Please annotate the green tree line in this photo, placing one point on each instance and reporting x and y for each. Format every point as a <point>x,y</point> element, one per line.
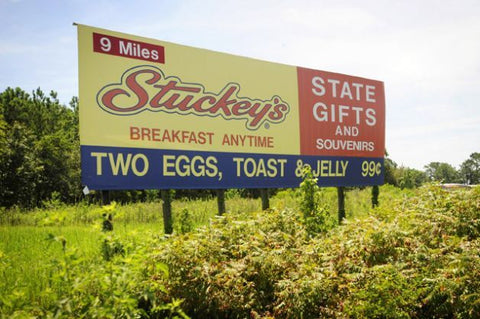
<point>406,177</point>
<point>40,155</point>
<point>40,149</point>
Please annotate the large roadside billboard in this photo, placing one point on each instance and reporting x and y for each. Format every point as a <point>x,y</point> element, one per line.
<point>158,115</point>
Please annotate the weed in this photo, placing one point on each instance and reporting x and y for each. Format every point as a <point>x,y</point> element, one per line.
<point>185,222</point>
<point>315,216</point>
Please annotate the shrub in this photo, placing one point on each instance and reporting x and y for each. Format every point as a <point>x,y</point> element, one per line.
<point>413,258</point>
<point>185,223</point>
<point>381,291</point>
<point>230,267</point>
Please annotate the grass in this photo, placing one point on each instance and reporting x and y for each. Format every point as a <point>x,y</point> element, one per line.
<point>26,264</point>
<point>31,242</point>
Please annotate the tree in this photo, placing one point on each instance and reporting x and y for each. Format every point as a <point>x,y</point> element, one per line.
<point>409,177</point>
<point>19,168</point>
<point>3,155</point>
<point>442,172</point>
<point>470,169</point>
<point>40,148</point>
<point>390,168</point>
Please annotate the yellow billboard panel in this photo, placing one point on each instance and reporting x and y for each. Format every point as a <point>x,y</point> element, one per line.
<point>190,99</point>
<point>155,114</point>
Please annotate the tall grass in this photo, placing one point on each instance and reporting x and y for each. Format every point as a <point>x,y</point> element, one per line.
<point>28,252</point>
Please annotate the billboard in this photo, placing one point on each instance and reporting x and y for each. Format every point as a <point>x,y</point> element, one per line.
<point>158,115</point>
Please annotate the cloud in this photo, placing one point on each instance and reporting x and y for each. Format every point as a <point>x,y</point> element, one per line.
<point>432,130</point>
<point>9,48</point>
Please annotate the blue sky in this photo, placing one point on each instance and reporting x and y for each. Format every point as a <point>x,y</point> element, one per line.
<point>426,52</point>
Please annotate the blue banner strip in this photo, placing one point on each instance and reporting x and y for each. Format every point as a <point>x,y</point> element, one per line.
<point>119,168</point>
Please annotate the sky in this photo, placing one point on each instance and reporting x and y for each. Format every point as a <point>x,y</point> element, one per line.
<point>427,53</point>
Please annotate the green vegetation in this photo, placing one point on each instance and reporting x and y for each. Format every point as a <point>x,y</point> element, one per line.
<point>415,255</point>
<point>57,262</point>
<point>316,217</point>
<point>405,177</point>
<point>40,152</point>
<point>412,257</point>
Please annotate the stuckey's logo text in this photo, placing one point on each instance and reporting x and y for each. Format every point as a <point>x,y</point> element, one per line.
<point>146,88</point>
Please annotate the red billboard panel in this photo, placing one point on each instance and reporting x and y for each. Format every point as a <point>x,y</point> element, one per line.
<point>340,115</point>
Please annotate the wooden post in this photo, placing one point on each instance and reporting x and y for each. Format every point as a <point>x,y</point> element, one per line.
<point>265,201</point>
<point>375,193</point>
<point>341,204</point>
<point>105,197</point>
<point>221,201</point>
<point>167,211</point>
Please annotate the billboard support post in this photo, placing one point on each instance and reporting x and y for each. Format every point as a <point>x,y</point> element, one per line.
<point>341,204</point>
<point>221,201</point>
<point>265,199</point>
<point>105,197</point>
<point>167,211</point>
<point>375,193</point>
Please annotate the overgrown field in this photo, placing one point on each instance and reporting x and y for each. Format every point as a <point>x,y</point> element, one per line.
<point>417,255</point>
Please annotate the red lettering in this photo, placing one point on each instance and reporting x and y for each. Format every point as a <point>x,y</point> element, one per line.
<point>241,108</point>
<point>137,89</point>
<point>146,133</point>
<point>182,105</point>
<point>197,106</point>
<point>164,89</point>
<point>146,88</point>
<point>156,135</point>
<point>175,137</point>
<point>134,133</point>
<point>258,113</point>
<point>278,111</point>
<point>223,103</point>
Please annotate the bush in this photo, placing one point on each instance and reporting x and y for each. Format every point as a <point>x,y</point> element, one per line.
<point>412,258</point>
<point>229,268</point>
